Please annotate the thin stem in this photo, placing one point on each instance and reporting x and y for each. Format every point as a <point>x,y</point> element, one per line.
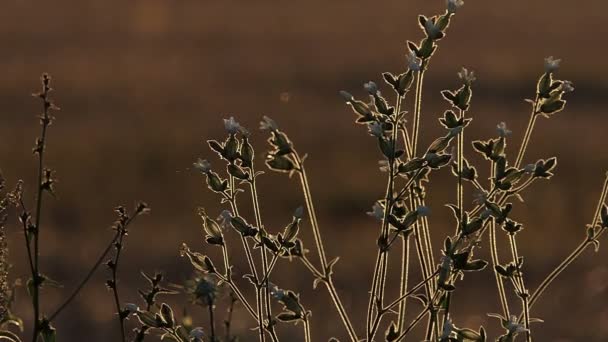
<point>212,322</point>
<point>405,263</point>
<point>307,337</point>
<point>45,121</point>
<point>417,110</point>
<point>239,295</point>
<point>326,275</point>
<point>311,267</point>
<point>122,233</point>
<point>379,281</point>
<point>25,223</point>
<point>527,135</point>
<point>228,320</point>
<point>247,248</point>
<point>413,324</point>
<point>570,258</point>
<point>86,279</point>
<point>265,269</point>
<point>410,292</point>
<point>495,260</point>
<point>311,212</point>
<point>521,288</point>
<point>338,303</point>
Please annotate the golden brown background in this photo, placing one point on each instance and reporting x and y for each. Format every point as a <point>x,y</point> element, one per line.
<point>142,84</point>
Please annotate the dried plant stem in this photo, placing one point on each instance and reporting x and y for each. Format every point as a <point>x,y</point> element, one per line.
<point>259,304</point>
<point>405,264</point>
<point>326,275</point>
<point>521,288</point>
<point>228,320</point>
<point>45,121</point>
<point>86,279</point>
<point>311,211</point>
<point>118,245</point>
<point>307,336</point>
<point>265,270</point>
<point>379,278</point>
<point>502,295</point>
<point>239,295</point>
<point>570,258</point>
<point>425,244</point>
<point>528,134</point>
<point>417,110</point>
<point>413,324</point>
<point>410,292</point>
<point>212,322</point>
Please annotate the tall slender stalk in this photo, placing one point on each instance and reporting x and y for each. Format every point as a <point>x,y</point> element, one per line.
<point>504,303</point>
<point>247,248</point>
<point>577,251</point>
<point>524,145</point>
<point>212,322</point>
<point>326,274</point>
<point>45,122</point>
<point>114,284</point>
<point>265,270</point>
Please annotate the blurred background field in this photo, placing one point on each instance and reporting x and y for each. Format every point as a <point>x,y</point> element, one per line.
<point>142,84</point>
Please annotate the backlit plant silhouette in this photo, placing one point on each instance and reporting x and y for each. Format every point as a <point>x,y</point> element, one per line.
<point>404,232</point>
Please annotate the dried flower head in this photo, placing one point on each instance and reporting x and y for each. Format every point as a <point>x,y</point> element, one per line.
<point>502,129</point>
<point>454,5</point>
<point>466,76</point>
<point>432,29</point>
<point>202,165</point>
<point>551,64</point>
<point>413,61</point>
<point>231,125</point>
<point>376,129</point>
<point>371,87</point>
<point>377,211</point>
<point>567,87</point>
<point>267,124</point>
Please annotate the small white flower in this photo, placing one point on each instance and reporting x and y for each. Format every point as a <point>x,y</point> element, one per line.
<point>551,64</point>
<point>299,213</point>
<point>267,124</point>
<point>514,327</point>
<point>448,327</point>
<point>224,218</point>
<point>197,333</point>
<point>567,87</point>
<point>231,125</point>
<point>203,166</point>
<point>131,307</point>
<point>479,197</point>
<point>383,165</point>
<point>431,28</point>
<point>466,76</point>
<point>530,168</point>
<point>376,129</point>
<point>413,62</point>
<point>276,292</point>
<point>454,5</point>
<point>502,129</point>
<point>377,212</point>
<point>371,87</point>
<point>445,269</point>
<point>423,211</point>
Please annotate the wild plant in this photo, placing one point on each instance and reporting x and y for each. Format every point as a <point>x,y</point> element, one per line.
<point>402,213</point>
<point>31,224</point>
